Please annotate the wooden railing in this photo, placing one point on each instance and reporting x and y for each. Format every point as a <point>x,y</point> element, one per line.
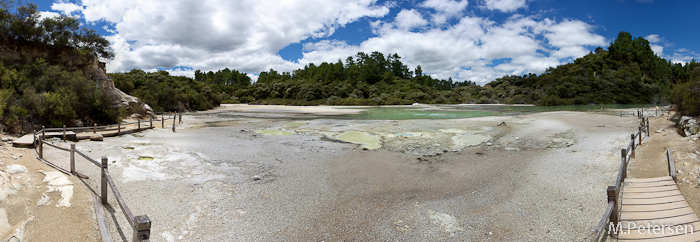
<point>671,164</point>
<point>141,224</point>
<point>612,211</point>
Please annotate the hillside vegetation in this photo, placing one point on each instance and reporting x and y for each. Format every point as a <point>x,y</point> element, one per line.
<point>628,72</point>
<point>37,87</point>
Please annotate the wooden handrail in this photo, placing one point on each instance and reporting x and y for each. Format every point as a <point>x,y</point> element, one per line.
<point>141,224</point>
<point>671,164</point>
<point>127,212</point>
<point>102,127</point>
<point>55,146</point>
<point>611,214</point>
<point>598,233</point>
<point>90,159</point>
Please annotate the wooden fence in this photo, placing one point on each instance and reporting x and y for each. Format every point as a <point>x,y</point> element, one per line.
<point>141,224</point>
<point>612,211</point>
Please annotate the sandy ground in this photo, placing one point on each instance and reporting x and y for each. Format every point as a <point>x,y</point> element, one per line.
<point>539,177</point>
<point>38,203</point>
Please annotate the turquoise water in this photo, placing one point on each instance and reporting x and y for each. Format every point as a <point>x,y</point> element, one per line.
<point>470,111</point>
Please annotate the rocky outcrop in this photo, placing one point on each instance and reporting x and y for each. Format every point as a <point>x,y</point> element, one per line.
<point>95,70</point>
<point>688,126</point>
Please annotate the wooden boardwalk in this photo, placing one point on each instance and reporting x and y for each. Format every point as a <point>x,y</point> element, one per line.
<point>656,203</point>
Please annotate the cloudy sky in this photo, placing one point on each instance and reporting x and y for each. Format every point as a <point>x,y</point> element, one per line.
<point>477,40</point>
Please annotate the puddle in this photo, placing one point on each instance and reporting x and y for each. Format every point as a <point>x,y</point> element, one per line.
<point>274,132</point>
<point>358,137</point>
<point>145,158</point>
<point>465,140</point>
<point>294,124</point>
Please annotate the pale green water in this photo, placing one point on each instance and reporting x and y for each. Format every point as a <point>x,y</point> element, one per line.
<point>470,111</point>
<point>294,124</point>
<point>363,138</point>
<point>145,158</point>
<point>274,132</point>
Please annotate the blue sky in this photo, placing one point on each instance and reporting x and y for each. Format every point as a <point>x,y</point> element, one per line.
<point>477,40</point>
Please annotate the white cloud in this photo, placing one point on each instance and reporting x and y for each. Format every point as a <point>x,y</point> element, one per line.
<point>444,9</point>
<point>247,35</point>
<point>449,7</point>
<point>211,34</point>
<point>66,8</point>
<point>658,50</point>
<point>468,49</point>
<point>570,36</point>
<point>43,15</point>
<point>683,56</point>
<point>504,5</point>
<point>409,19</point>
<point>654,38</point>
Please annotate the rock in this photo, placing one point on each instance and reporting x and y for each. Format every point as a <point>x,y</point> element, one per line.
<point>14,169</point>
<point>7,139</point>
<point>96,137</point>
<point>257,178</point>
<point>489,144</point>
<point>688,126</point>
<point>78,123</point>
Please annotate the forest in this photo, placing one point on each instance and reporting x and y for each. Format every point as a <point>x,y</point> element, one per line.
<point>44,91</point>
<point>628,72</point>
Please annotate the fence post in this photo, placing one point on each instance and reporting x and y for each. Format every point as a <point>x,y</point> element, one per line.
<point>94,129</point>
<point>72,158</point>
<point>614,216</point>
<point>139,128</point>
<point>180,117</point>
<point>640,135</point>
<point>104,180</point>
<point>632,155</point>
<point>119,129</point>
<point>623,152</point>
<point>647,126</point>
<point>64,133</point>
<point>142,228</point>
<point>41,142</point>
<point>162,121</point>
<point>173,123</point>
<point>150,123</point>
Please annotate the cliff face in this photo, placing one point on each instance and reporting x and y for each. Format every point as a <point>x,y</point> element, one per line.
<point>90,66</point>
<point>95,70</point>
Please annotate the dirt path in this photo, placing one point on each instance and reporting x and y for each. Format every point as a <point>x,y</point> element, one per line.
<point>650,160</point>
<point>38,203</point>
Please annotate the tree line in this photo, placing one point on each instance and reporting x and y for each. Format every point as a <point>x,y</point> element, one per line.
<point>37,87</point>
<point>628,72</point>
